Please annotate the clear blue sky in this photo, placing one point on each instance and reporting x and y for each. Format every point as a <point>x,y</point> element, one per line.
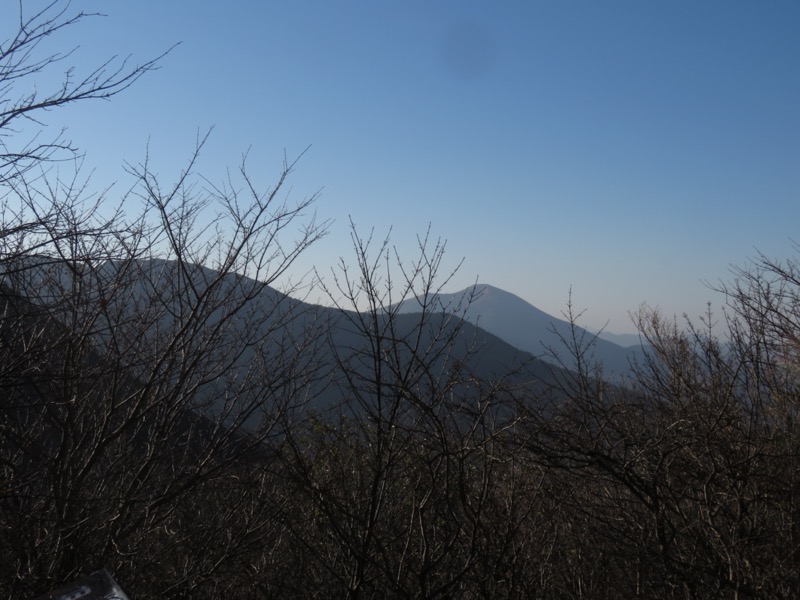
<point>629,150</point>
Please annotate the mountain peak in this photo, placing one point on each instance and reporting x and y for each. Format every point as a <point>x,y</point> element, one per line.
<point>521,324</point>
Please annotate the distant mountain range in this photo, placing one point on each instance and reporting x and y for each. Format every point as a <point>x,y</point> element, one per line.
<point>501,333</point>
<point>524,326</point>
<point>626,340</point>
<point>330,344</point>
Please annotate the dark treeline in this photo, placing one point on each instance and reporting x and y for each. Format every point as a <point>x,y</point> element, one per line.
<point>137,445</point>
<point>167,415</point>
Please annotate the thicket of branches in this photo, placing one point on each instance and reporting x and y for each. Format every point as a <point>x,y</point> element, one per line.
<point>202,435</point>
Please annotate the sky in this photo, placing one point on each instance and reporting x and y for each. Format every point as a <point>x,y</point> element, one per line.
<point>631,152</point>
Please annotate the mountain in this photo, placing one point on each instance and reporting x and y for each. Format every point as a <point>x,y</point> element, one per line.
<point>524,326</point>
<point>241,334</point>
<point>626,340</point>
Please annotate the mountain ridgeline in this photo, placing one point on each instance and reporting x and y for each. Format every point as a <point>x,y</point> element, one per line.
<point>529,329</point>
<point>203,435</point>
<point>239,326</point>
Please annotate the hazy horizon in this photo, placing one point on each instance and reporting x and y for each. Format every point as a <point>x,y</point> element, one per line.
<point>628,152</point>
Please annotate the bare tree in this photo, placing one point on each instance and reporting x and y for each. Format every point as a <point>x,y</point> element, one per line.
<point>135,377</point>
<point>682,479</point>
<point>402,472</point>
<point>26,61</point>
<point>144,358</point>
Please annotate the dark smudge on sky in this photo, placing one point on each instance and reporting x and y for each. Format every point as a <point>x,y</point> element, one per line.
<point>468,50</point>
